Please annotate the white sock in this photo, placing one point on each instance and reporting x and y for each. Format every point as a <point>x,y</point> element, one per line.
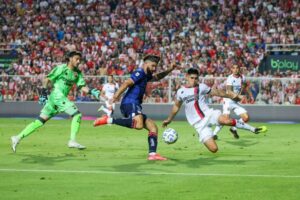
<point>242,125</point>
<point>217,129</point>
<point>109,120</point>
<point>107,111</point>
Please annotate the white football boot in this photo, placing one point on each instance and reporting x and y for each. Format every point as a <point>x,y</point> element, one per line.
<point>74,144</point>
<point>14,142</point>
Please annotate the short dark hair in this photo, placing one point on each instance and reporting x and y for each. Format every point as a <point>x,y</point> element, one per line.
<point>152,58</point>
<point>71,54</point>
<point>193,71</point>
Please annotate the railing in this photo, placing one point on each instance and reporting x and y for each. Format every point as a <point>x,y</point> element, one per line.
<point>282,47</point>
<point>273,91</point>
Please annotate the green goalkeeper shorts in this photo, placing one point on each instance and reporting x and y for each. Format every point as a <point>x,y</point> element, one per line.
<point>57,103</point>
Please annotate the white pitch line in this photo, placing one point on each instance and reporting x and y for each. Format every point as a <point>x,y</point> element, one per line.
<point>148,173</point>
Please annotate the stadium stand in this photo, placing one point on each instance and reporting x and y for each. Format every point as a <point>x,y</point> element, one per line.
<point>114,35</point>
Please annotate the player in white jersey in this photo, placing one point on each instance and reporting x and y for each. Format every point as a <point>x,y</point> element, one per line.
<point>107,94</point>
<point>236,83</point>
<point>197,112</point>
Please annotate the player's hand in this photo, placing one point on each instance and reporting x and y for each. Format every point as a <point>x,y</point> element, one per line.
<point>165,123</point>
<point>95,93</point>
<point>43,98</point>
<point>114,99</point>
<point>173,66</point>
<point>111,101</point>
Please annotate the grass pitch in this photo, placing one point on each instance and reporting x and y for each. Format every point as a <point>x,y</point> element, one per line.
<point>114,165</point>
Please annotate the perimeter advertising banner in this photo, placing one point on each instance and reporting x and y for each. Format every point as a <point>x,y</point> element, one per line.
<point>281,63</point>
<point>7,59</point>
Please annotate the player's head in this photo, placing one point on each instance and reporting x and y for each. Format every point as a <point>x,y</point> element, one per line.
<point>192,77</point>
<point>74,58</point>
<point>150,63</point>
<point>236,70</point>
<point>110,79</point>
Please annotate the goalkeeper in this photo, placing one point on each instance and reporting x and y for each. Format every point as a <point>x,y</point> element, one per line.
<point>62,78</point>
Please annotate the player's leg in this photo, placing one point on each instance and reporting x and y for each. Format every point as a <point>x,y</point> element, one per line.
<point>105,108</point>
<point>113,106</point>
<point>205,134</point>
<point>241,125</point>
<point>150,125</point>
<point>71,109</point>
<point>211,145</point>
<point>226,111</point>
<point>46,113</point>
<point>133,117</point>
<point>240,111</point>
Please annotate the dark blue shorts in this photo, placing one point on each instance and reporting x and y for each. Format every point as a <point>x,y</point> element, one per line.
<point>131,110</point>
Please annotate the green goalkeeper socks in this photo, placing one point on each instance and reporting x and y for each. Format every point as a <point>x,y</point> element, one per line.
<point>75,126</point>
<point>30,128</point>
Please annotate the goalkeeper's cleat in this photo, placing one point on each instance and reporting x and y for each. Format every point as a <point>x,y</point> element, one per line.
<point>101,121</point>
<point>261,129</point>
<point>101,108</point>
<point>234,133</point>
<point>14,142</point>
<point>76,145</point>
<point>156,156</point>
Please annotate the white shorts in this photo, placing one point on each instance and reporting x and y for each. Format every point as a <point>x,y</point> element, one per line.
<point>204,127</point>
<point>234,106</point>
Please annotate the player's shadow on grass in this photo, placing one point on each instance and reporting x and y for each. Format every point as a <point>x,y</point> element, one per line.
<point>171,164</point>
<point>242,143</point>
<point>206,161</point>
<point>47,160</point>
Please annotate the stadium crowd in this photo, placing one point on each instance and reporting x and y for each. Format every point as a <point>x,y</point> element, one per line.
<point>114,35</point>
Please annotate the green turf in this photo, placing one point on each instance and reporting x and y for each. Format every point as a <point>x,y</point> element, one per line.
<point>114,165</point>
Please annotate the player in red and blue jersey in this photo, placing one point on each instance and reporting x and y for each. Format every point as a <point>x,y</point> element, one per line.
<point>131,103</point>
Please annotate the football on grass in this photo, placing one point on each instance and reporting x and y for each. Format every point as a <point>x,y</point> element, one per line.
<point>170,136</point>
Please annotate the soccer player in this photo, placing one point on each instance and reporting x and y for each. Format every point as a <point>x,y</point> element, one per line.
<point>107,94</point>
<point>197,112</point>
<point>131,103</point>
<point>62,78</point>
<point>236,83</point>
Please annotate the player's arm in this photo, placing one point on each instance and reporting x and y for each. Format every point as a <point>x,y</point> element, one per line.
<point>43,97</point>
<point>161,75</point>
<point>127,84</point>
<point>227,94</point>
<point>95,92</point>
<point>176,107</point>
<point>248,91</point>
<point>46,82</point>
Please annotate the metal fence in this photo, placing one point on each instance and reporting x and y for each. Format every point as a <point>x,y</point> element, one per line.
<point>265,90</point>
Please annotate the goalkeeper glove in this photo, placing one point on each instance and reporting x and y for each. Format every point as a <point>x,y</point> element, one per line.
<point>43,96</point>
<point>95,93</point>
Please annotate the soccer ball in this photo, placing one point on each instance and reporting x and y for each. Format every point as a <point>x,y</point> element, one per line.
<point>170,136</point>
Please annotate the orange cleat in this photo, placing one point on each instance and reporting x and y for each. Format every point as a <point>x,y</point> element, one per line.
<point>156,156</point>
<point>101,121</point>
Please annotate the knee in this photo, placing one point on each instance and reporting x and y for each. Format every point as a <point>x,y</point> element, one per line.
<point>77,117</point>
<point>138,124</point>
<point>154,129</point>
<point>246,118</point>
<point>224,120</point>
<point>77,114</point>
<point>213,149</point>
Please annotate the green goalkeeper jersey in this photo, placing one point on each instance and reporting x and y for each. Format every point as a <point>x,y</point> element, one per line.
<point>63,79</point>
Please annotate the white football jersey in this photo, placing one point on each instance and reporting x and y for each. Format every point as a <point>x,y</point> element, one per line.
<point>236,83</point>
<point>194,101</point>
<point>110,89</point>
